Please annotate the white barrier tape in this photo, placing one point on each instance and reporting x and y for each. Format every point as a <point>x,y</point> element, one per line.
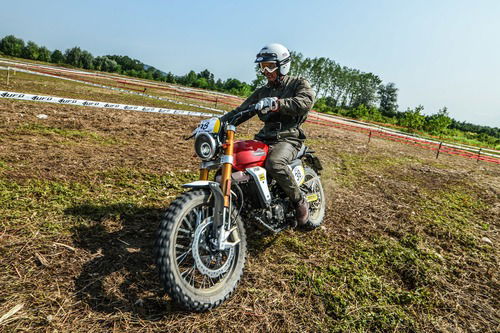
<point>94,104</point>
<point>110,76</point>
<point>357,122</point>
<point>116,89</point>
<point>360,124</point>
<point>114,77</point>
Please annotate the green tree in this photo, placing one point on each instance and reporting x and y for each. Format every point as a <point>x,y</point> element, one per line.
<point>413,119</point>
<point>127,63</point>
<point>230,84</point>
<point>170,78</point>
<point>100,63</point>
<point>318,73</point>
<point>12,46</point>
<point>87,60</point>
<point>219,85</point>
<point>158,75</point>
<point>105,64</point>
<point>388,95</point>
<point>235,86</point>
<point>333,81</point>
<point>57,57</point>
<point>260,79</point>
<point>133,72</point>
<point>365,89</point>
<point>30,51</point>
<point>438,123</point>
<point>73,56</point>
<point>209,77</point>
<point>245,90</point>
<point>44,54</point>
<point>296,63</point>
<point>201,83</point>
<point>191,78</point>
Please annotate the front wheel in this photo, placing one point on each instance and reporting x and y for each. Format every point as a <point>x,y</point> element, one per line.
<point>192,271</point>
<point>314,194</point>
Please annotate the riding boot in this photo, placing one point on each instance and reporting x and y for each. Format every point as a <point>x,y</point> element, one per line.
<point>302,212</point>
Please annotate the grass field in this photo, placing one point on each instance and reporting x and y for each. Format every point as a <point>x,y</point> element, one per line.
<point>409,243</point>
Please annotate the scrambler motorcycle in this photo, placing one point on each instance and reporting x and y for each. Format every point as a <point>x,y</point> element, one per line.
<point>201,246</point>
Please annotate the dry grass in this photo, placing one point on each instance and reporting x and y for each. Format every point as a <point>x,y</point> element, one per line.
<point>35,84</point>
<point>81,194</point>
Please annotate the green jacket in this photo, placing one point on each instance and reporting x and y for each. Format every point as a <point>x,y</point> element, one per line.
<point>296,100</point>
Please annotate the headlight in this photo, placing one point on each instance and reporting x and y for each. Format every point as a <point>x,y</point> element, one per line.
<point>205,146</point>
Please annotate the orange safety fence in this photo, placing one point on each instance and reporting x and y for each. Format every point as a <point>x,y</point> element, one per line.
<point>442,148</point>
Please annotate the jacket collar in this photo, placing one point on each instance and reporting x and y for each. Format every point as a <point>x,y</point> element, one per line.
<point>279,83</point>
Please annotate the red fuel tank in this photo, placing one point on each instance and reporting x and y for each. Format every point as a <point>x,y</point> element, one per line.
<point>249,153</point>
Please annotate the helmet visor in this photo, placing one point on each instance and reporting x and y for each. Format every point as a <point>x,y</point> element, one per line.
<point>268,66</point>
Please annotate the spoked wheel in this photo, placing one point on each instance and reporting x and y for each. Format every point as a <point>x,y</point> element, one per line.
<point>313,191</point>
<point>192,270</point>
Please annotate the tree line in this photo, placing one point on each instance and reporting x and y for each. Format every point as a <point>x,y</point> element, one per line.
<point>76,57</point>
<point>339,89</point>
<point>353,93</point>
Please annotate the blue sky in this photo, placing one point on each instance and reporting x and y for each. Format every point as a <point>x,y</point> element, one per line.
<point>438,53</point>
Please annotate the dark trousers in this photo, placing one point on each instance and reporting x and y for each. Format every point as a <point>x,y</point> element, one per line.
<point>281,154</point>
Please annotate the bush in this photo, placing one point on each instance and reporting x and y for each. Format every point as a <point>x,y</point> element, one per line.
<point>413,119</point>
<point>438,123</point>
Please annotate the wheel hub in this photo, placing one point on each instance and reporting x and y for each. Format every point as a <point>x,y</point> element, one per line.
<point>208,262</point>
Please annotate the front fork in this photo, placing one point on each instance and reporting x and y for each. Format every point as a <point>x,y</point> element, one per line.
<point>222,218</point>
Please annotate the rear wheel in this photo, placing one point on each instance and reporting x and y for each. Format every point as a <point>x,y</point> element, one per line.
<point>313,191</point>
<point>192,271</point>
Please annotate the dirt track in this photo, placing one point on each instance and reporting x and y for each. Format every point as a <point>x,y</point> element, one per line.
<point>97,181</point>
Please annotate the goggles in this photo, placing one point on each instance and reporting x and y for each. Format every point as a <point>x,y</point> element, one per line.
<point>268,66</point>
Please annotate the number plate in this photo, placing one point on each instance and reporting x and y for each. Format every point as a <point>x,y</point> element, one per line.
<point>211,125</point>
<point>299,174</point>
<point>312,197</point>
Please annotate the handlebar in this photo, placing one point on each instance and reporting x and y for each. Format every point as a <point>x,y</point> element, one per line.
<point>250,109</point>
<point>231,121</point>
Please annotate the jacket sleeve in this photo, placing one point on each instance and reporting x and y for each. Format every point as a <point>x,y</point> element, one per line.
<point>252,99</point>
<point>301,103</point>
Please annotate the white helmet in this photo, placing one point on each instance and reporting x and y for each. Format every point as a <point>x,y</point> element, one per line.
<point>275,53</point>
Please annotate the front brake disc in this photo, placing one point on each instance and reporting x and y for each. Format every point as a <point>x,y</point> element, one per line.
<point>199,243</point>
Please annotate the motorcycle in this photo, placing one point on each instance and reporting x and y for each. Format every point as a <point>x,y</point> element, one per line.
<point>200,248</point>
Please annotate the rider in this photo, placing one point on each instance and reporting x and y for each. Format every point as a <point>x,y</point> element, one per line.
<point>283,105</point>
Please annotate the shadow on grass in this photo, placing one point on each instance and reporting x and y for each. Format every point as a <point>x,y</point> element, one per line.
<point>120,276</point>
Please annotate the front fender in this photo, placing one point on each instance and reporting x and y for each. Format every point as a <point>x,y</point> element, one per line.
<point>216,190</point>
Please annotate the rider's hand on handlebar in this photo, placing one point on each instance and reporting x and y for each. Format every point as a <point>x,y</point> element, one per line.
<point>267,104</point>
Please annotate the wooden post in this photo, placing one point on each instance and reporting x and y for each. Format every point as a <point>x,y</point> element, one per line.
<point>479,154</point>
<point>216,100</point>
<point>439,149</point>
<point>8,75</point>
<point>370,137</point>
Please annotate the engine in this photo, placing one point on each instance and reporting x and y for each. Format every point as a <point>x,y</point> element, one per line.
<point>275,217</point>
